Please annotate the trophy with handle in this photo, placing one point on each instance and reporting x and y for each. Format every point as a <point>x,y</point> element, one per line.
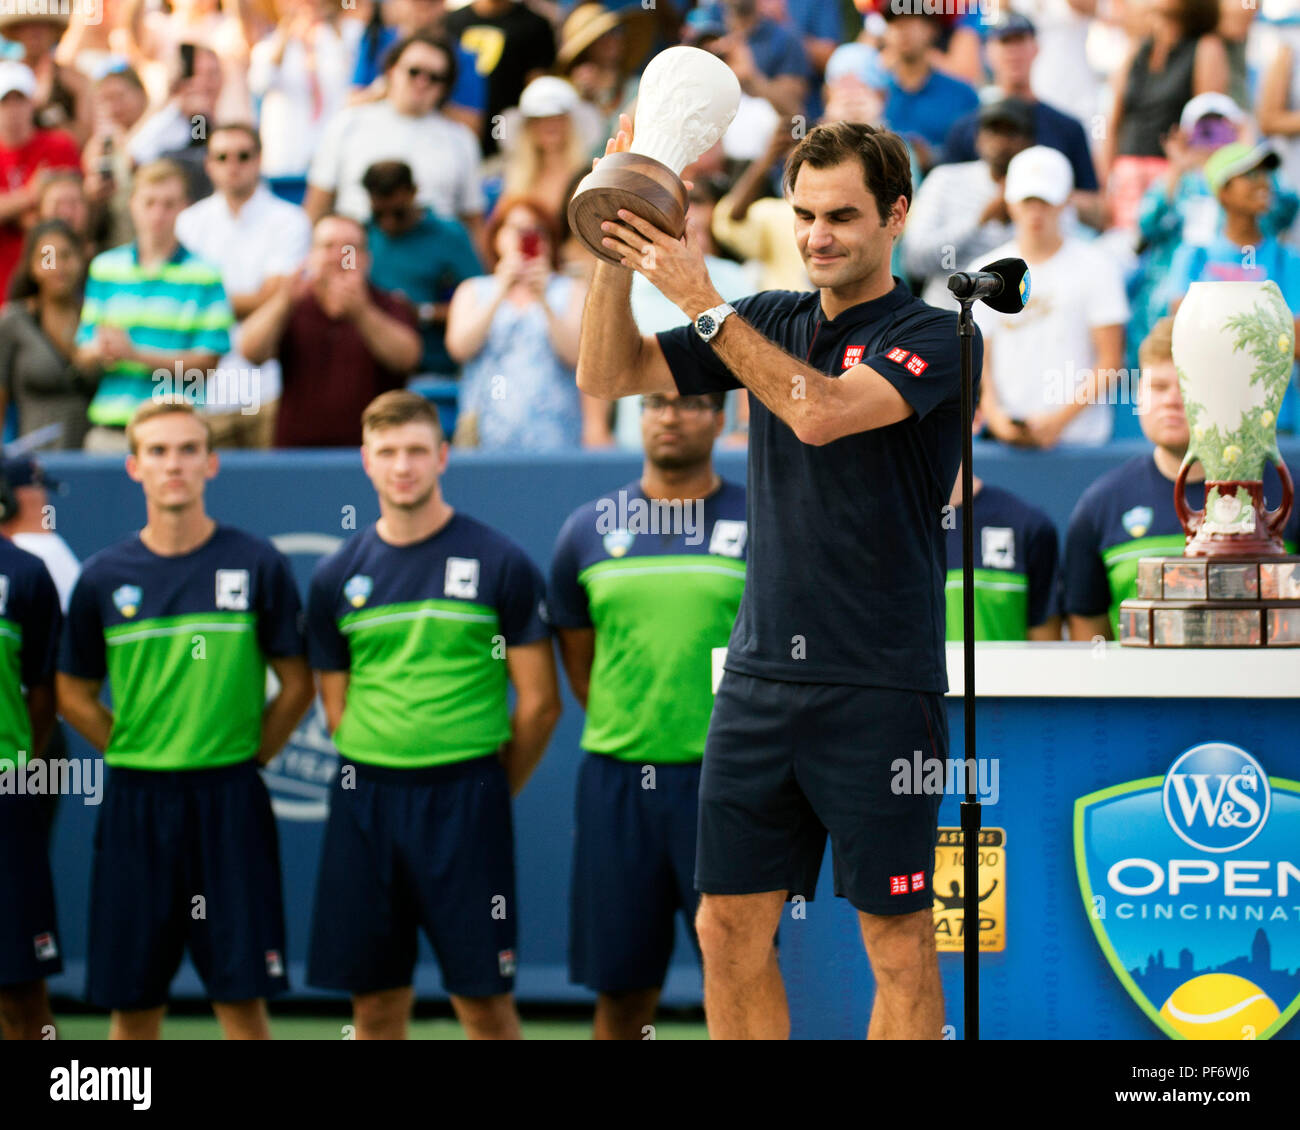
<point>685,103</point>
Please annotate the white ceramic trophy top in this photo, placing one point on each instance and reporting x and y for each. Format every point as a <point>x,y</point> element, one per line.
<point>685,102</point>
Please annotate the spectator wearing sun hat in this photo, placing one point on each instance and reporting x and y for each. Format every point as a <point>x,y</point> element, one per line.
<point>601,53</point>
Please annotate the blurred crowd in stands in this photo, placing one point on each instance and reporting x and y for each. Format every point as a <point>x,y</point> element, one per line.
<point>283,208</point>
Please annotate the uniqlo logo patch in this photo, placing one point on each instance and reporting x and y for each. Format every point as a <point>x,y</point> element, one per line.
<point>916,366</point>
<point>853,355</point>
<point>506,963</point>
<point>918,881</point>
<point>46,947</point>
<point>899,355</point>
<point>274,966</point>
<point>898,884</point>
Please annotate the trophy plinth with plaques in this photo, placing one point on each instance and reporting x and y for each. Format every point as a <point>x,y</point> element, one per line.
<point>685,102</point>
<point>1235,585</point>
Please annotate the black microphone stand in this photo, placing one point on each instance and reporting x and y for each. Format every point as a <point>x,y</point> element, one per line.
<point>971,814</point>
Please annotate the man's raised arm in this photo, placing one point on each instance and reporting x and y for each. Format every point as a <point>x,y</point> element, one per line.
<point>614,358</point>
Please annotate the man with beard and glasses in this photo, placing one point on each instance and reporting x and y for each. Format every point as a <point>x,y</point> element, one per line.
<point>645,583</point>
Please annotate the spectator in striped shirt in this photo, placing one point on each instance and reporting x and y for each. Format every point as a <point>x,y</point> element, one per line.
<point>154,314</point>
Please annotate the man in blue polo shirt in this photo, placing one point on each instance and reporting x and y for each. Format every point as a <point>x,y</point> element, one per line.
<point>922,103</point>
<point>836,661</point>
<point>1012,48</point>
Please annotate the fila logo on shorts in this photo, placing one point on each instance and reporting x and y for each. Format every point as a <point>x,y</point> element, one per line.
<point>853,355</point>
<point>274,966</point>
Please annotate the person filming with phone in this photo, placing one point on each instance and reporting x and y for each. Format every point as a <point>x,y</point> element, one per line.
<point>515,334</point>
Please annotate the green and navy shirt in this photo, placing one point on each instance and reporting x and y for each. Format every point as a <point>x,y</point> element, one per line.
<point>661,589</point>
<point>29,644</point>
<point>1015,567</point>
<point>177,306</point>
<point>422,631</point>
<point>1128,514</point>
<point>183,642</point>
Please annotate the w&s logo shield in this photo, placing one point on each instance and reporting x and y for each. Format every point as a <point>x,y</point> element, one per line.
<point>1192,884</point>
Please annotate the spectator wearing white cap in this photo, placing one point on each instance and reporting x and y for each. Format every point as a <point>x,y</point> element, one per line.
<point>1048,369</point>
<point>25,151</point>
<point>542,143</point>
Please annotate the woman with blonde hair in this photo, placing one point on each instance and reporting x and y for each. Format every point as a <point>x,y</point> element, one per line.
<point>544,150</point>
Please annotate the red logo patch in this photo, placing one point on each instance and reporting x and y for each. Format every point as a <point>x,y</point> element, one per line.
<point>918,880</point>
<point>898,884</point>
<point>852,355</point>
<point>46,947</point>
<point>899,355</point>
<point>274,966</point>
<point>916,366</point>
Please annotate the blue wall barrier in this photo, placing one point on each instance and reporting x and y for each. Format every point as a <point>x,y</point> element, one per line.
<point>309,502</point>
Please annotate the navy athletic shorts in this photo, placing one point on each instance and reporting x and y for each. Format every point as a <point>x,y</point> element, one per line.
<point>29,935</point>
<point>633,863</point>
<point>787,763</point>
<point>185,858</point>
<point>412,848</point>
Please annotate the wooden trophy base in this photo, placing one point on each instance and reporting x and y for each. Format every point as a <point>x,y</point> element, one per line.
<point>1214,602</point>
<point>639,184</point>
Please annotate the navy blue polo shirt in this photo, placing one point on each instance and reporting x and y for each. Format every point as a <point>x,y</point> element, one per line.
<point>846,556</point>
<point>1051,128</point>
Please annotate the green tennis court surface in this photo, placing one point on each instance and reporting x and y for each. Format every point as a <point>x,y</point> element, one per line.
<point>538,1025</point>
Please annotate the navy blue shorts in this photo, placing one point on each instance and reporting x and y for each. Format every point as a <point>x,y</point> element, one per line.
<point>786,763</point>
<point>29,935</point>
<point>633,862</point>
<point>412,848</point>
<point>185,858</point>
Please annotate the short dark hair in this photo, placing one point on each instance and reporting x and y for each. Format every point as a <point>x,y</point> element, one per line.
<point>400,406</point>
<point>238,127</point>
<point>1199,17</point>
<point>383,178</point>
<point>886,165</point>
<point>718,400</point>
<point>430,39</point>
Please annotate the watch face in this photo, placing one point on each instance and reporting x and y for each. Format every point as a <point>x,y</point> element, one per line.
<point>705,324</point>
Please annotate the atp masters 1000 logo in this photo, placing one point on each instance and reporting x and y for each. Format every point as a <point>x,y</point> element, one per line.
<point>1192,884</point>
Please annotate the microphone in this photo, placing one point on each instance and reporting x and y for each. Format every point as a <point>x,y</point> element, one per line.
<point>1004,285</point>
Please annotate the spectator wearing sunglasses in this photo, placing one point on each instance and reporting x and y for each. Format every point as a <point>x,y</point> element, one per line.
<point>408,125</point>
<point>254,239</point>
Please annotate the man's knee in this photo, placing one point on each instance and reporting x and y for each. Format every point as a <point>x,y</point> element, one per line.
<point>901,947</point>
<point>382,1009</point>
<point>737,930</point>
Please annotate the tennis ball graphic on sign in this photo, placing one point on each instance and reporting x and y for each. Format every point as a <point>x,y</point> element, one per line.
<point>1219,1006</point>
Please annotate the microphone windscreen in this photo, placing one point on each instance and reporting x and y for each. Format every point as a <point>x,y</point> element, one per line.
<point>1015,285</point>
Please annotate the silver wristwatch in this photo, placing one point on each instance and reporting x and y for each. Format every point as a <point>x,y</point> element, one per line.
<point>710,322</point>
